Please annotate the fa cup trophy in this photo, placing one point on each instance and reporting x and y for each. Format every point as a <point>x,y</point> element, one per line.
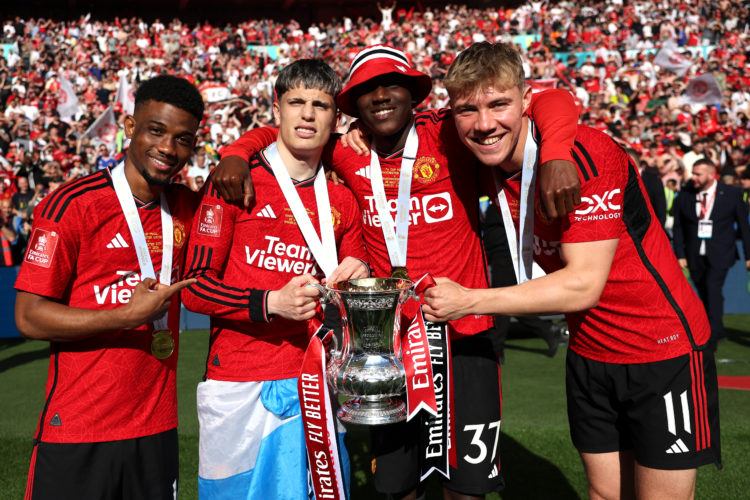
<point>366,368</point>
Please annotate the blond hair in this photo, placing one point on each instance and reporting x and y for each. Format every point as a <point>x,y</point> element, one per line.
<point>482,65</point>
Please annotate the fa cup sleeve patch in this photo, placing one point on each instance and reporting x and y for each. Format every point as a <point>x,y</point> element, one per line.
<point>42,247</point>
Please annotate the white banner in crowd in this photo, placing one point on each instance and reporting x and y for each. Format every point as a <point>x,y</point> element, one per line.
<point>214,92</point>
<point>67,102</point>
<point>125,95</point>
<point>103,130</point>
<point>703,89</point>
<point>672,60</point>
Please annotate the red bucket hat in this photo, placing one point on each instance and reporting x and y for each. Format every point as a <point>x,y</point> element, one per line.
<point>375,61</point>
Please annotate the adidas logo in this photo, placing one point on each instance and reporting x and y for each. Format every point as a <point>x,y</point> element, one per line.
<point>678,447</point>
<point>494,472</point>
<point>118,242</point>
<point>364,172</point>
<point>267,212</point>
<point>56,421</point>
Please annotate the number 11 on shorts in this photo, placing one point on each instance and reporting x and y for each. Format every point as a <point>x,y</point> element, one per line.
<point>669,404</point>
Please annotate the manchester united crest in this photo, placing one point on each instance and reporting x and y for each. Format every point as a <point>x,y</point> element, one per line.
<point>335,217</point>
<point>179,233</point>
<point>426,169</point>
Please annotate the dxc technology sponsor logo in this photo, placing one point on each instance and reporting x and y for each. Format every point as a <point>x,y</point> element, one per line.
<point>599,207</point>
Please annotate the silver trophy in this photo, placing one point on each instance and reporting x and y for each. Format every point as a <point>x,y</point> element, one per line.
<point>367,368</point>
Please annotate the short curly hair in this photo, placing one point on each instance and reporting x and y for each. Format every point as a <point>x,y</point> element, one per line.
<point>171,90</point>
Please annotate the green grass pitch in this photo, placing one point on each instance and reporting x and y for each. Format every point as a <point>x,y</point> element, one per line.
<point>539,461</point>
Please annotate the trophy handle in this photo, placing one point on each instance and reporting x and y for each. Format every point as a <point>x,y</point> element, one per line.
<point>325,294</point>
<point>333,352</point>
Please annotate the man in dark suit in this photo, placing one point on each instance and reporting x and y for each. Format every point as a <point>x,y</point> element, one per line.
<point>707,222</point>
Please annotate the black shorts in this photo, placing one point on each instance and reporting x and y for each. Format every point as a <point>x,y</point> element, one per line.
<point>666,411</point>
<point>145,467</point>
<point>477,411</point>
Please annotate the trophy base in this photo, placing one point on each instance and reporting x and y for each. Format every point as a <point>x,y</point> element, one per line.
<point>378,411</point>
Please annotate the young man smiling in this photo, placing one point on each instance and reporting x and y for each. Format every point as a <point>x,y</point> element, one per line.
<point>252,265</point>
<point>96,282</point>
<point>641,385</point>
<point>426,177</point>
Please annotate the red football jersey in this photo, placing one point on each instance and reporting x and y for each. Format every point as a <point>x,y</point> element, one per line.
<point>444,210</point>
<point>109,386</point>
<point>239,255</point>
<point>647,311</point>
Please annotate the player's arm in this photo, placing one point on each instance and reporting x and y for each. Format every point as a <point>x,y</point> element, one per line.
<point>39,311</point>
<point>556,115</point>
<point>208,251</point>
<point>41,318</point>
<point>210,245</point>
<point>575,287</point>
<point>232,176</point>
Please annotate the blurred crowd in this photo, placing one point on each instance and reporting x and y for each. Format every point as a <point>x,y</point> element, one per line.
<point>603,52</point>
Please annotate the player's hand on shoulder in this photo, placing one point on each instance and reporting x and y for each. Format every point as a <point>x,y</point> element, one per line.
<point>149,302</point>
<point>559,187</point>
<point>349,269</point>
<point>356,139</point>
<point>294,300</point>
<point>446,301</point>
<point>232,179</point>
<point>333,177</point>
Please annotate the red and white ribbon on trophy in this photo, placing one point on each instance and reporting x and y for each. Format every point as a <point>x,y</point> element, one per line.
<point>425,349</point>
<point>321,438</point>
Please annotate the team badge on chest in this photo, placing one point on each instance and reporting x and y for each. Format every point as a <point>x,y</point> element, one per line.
<point>335,217</point>
<point>179,233</point>
<point>426,169</point>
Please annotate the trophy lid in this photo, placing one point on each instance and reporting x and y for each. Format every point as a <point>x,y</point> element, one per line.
<point>371,285</point>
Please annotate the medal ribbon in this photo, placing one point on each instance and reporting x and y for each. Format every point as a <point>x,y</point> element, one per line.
<point>127,204</point>
<point>321,439</point>
<point>521,252</point>
<point>396,233</point>
<point>324,248</point>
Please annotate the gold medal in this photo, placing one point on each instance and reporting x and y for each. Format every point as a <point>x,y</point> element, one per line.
<point>399,273</point>
<point>162,345</point>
